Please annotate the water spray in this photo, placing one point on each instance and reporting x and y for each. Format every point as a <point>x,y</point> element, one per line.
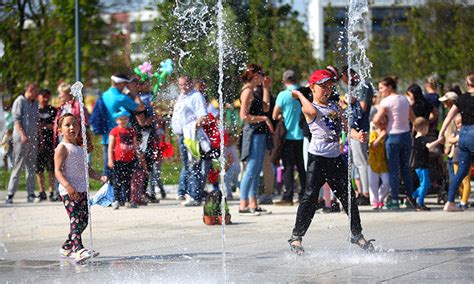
<point>76,90</point>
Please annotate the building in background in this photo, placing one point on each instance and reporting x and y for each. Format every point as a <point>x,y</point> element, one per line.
<point>380,13</point>
<point>127,30</point>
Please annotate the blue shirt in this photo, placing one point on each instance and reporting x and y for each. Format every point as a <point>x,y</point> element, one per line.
<point>113,100</point>
<point>360,119</point>
<point>291,111</point>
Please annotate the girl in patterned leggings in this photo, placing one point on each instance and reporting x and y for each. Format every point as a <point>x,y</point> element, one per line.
<point>70,172</point>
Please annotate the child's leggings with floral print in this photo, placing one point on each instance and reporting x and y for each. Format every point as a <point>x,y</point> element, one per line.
<point>78,219</point>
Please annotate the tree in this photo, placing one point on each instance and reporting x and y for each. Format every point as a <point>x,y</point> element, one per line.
<point>436,40</point>
<point>41,48</point>
<point>186,33</point>
<point>278,41</point>
<point>263,33</point>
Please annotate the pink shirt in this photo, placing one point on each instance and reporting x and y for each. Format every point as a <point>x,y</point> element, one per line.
<point>398,110</point>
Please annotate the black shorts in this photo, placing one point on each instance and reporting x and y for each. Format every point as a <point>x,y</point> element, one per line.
<point>45,161</point>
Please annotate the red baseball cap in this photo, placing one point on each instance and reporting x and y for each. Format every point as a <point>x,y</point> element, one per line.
<point>321,76</point>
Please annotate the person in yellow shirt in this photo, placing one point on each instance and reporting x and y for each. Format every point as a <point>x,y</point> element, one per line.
<point>378,169</point>
<point>465,188</point>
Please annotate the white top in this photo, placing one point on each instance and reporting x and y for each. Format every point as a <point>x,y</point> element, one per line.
<point>325,130</point>
<point>73,169</point>
<point>398,111</point>
<point>188,108</point>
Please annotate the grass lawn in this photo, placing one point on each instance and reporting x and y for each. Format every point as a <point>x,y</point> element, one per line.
<point>169,172</point>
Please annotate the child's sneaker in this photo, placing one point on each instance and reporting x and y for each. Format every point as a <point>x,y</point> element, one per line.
<point>263,211</point>
<point>115,205</point>
<point>422,207</point>
<point>66,253</point>
<point>327,209</point>
<point>82,255</point>
<point>392,205</point>
<point>41,197</point>
<point>462,206</point>
<point>9,199</point>
<point>52,197</point>
<point>162,193</point>
<point>94,253</point>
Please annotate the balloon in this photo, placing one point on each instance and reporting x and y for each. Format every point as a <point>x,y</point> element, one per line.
<point>166,149</point>
<point>146,68</point>
<point>165,70</point>
<point>161,75</point>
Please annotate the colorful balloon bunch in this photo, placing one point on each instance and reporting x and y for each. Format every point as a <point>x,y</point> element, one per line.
<point>145,73</point>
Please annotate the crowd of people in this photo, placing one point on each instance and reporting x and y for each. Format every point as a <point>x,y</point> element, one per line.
<point>394,141</point>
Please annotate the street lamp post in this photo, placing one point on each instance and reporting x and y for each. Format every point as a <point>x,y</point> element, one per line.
<point>78,43</point>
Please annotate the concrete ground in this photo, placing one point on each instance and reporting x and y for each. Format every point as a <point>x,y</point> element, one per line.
<point>167,243</point>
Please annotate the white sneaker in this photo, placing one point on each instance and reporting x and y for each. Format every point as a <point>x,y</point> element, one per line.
<point>67,253</point>
<point>190,202</point>
<point>248,212</point>
<point>82,255</point>
<point>115,205</point>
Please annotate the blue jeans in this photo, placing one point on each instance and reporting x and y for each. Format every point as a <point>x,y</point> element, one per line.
<point>424,178</point>
<point>231,177</point>
<point>206,166</point>
<point>105,157</point>
<point>250,179</point>
<point>155,177</point>
<point>398,148</point>
<point>466,157</point>
<point>190,179</point>
<point>450,169</point>
<point>182,185</point>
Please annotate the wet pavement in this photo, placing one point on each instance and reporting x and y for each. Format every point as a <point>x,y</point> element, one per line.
<point>167,243</point>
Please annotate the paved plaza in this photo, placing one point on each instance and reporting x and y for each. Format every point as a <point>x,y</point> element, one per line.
<point>166,243</point>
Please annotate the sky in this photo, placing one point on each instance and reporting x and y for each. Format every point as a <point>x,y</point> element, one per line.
<point>117,5</point>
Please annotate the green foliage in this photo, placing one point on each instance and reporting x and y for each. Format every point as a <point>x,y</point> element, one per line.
<point>277,40</point>
<point>187,34</point>
<point>226,209</point>
<point>437,40</point>
<point>257,32</point>
<point>210,208</point>
<point>44,50</point>
<point>334,53</point>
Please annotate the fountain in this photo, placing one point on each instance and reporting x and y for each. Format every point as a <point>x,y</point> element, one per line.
<point>76,90</point>
<point>357,60</point>
<point>220,46</point>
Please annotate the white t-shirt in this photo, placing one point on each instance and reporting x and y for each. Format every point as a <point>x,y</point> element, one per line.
<point>398,112</point>
<point>74,169</point>
<point>187,108</point>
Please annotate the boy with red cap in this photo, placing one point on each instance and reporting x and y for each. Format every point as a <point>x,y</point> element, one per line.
<point>325,162</point>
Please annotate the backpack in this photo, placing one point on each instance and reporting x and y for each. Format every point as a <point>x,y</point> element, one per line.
<point>99,118</point>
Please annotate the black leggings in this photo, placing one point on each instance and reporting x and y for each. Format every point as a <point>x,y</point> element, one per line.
<point>334,172</point>
<point>292,156</point>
